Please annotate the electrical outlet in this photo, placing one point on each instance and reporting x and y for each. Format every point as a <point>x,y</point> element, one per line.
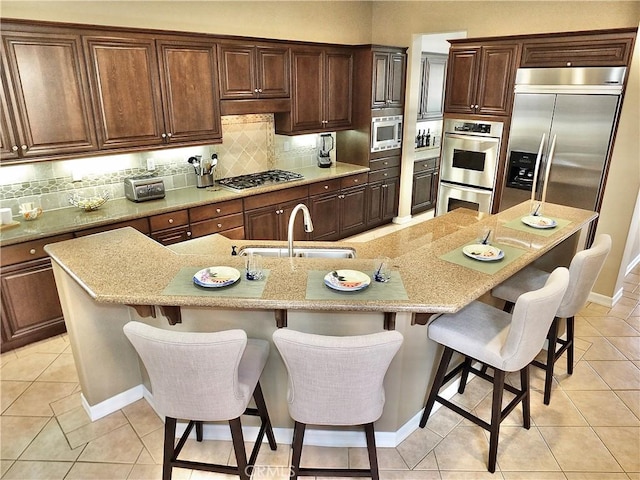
<point>151,164</point>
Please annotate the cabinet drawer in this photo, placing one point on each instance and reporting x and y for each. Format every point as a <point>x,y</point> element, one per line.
<point>274,198</point>
<point>384,174</point>
<point>141,224</point>
<point>324,187</point>
<point>354,180</point>
<point>33,250</point>
<point>607,50</point>
<point>215,210</point>
<point>424,165</point>
<point>169,220</point>
<point>385,162</point>
<point>172,235</point>
<point>216,225</point>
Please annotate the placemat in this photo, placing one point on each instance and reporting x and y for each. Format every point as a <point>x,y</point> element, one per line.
<point>510,254</point>
<point>182,284</point>
<point>517,224</point>
<point>391,290</point>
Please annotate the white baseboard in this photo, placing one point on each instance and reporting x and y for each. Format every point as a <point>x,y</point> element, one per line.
<point>112,404</point>
<point>632,265</point>
<point>402,220</point>
<point>605,301</point>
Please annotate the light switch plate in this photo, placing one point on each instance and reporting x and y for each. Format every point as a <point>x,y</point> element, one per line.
<point>151,164</point>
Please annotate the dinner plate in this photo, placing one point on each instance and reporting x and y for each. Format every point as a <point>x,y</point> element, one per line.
<point>539,222</point>
<point>347,280</point>
<point>485,253</point>
<point>215,277</point>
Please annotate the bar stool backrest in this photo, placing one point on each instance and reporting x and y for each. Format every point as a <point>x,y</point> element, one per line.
<point>584,270</point>
<point>194,375</point>
<point>336,380</point>
<point>532,316</point>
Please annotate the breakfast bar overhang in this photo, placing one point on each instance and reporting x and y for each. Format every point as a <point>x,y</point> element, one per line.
<point>108,279</point>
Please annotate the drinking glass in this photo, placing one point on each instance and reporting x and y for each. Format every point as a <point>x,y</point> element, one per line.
<point>381,272</point>
<point>253,267</point>
<point>485,235</point>
<point>536,209</point>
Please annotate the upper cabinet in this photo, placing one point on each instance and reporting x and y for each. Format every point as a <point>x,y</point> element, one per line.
<point>322,91</point>
<point>389,66</point>
<point>148,95</point>
<point>253,71</point>
<point>432,84</point>
<point>481,78</point>
<point>45,109</point>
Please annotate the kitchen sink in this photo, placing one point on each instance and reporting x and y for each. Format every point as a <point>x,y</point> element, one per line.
<point>338,252</point>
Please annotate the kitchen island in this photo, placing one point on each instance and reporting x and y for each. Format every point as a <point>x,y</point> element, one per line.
<point>108,279</point>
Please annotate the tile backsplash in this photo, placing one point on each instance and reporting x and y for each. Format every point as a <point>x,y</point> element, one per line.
<point>249,145</point>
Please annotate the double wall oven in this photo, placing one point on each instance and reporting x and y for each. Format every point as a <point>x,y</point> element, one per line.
<point>468,165</point>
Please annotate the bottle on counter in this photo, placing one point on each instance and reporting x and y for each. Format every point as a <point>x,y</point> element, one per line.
<point>427,141</point>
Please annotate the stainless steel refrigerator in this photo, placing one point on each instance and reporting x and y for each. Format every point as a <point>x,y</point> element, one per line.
<point>579,108</point>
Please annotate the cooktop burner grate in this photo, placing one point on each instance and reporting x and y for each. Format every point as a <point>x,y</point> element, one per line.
<point>260,179</point>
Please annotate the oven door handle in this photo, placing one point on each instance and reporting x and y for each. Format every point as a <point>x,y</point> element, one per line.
<point>457,136</point>
<point>464,188</point>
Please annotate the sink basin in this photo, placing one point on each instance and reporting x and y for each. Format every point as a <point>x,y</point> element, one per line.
<point>339,252</point>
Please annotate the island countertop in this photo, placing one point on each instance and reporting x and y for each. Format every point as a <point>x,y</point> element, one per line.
<point>126,267</point>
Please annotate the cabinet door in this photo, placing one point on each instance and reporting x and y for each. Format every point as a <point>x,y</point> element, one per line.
<point>48,94</point>
<point>272,72</point>
<point>237,71</point>
<point>338,89</point>
<point>352,211</point>
<point>422,197</point>
<point>397,67</point>
<point>434,69</point>
<point>8,141</point>
<point>325,216</point>
<point>190,90</point>
<point>463,68</point>
<point>31,309</point>
<point>496,80</point>
<point>307,105</point>
<point>125,90</point>
<point>390,198</point>
<point>380,80</point>
<point>374,204</point>
<point>262,223</point>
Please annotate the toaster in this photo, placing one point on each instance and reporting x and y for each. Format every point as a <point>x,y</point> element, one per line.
<point>143,187</point>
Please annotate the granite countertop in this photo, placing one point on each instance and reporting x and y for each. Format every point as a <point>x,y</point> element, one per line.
<point>125,267</point>
<point>65,220</point>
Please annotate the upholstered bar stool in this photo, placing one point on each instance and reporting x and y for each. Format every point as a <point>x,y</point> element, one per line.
<point>583,272</point>
<point>204,377</point>
<point>505,342</point>
<point>336,381</point>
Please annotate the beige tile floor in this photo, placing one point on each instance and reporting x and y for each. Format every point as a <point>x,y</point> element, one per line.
<point>591,429</point>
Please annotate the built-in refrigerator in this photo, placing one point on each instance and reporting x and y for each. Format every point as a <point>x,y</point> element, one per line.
<point>576,109</point>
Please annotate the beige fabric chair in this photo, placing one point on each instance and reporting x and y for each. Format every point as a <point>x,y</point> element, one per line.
<point>204,377</point>
<point>583,271</point>
<point>336,381</point>
<point>508,343</point>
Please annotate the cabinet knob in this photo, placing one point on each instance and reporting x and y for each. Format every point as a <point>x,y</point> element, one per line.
<point>569,64</point>
<point>385,163</point>
<point>164,135</point>
<point>169,134</point>
<point>32,251</point>
<point>326,187</point>
<point>188,234</point>
<point>356,180</point>
<point>24,148</point>
<point>171,220</point>
<point>219,225</point>
<point>218,210</point>
<point>255,90</point>
<point>14,148</point>
<point>259,90</point>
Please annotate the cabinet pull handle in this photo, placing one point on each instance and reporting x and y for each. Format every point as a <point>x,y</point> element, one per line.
<point>219,225</point>
<point>259,90</point>
<point>385,175</point>
<point>24,148</point>
<point>386,163</point>
<point>188,234</point>
<point>218,210</point>
<point>326,187</point>
<point>255,90</point>
<point>171,220</point>
<point>14,148</point>
<point>164,135</point>
<point>32,251</point>
<point>355,180</point>
<point>169,134</point>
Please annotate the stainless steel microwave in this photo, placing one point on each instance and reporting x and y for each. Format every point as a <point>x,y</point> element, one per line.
<point>386,133</point>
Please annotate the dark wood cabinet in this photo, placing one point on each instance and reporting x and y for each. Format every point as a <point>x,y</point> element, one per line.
<point>8,140</point>
<point>47,110</point>
<point>338,207</point>
<point>382,196</point>
<point>584,50</point>
<point>322,91</point>
<point>31,309</point>
<point>433,70</point>
<point>388,82</point>
<point>250,71</point>
<point>425,185</point>
<point>481,78</point>
<point>222,218</point>
<point>170,228</point>
<point>152,95</point>
<point>266,216</point>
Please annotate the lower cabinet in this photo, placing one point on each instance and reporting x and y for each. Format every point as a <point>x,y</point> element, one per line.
<point>425,185</point>
<point>382,196</point>
<point>170,228</point>
<point>266,216</point>
<point>30,310</point>
<point>224,218</point>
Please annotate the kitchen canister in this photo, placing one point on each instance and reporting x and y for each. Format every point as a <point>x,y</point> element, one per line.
<point>6,216</point>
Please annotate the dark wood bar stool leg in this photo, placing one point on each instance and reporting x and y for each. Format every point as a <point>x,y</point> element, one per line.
<point>551,360</point>
<point>465,374</point>
<point>437,383</point>
<point>169,443</point>
<point>371,449</point>
<point>238,448</point>
<point>526,399</point>
<point>296,447</point>
<point>570,331</point>
<point>199,431</point>
<point>496,417</point>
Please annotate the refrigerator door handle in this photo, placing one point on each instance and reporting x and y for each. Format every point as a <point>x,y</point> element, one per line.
<point>552,149</point>
<point>537,168</point>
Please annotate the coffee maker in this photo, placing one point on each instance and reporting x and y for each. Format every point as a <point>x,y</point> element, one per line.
<point>325,145</point>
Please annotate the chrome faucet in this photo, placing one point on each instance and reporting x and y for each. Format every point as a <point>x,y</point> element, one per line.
<point>308,224</point>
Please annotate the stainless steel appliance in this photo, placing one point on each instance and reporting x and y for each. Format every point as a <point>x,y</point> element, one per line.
<point>260,179</point>
<point>143,187</point>
<point>386,133</point>
<point>325,145</point>
<point>468,164</point>
<point>579,108</point>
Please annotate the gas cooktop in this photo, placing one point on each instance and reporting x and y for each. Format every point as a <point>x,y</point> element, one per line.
<point>260,179</point>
